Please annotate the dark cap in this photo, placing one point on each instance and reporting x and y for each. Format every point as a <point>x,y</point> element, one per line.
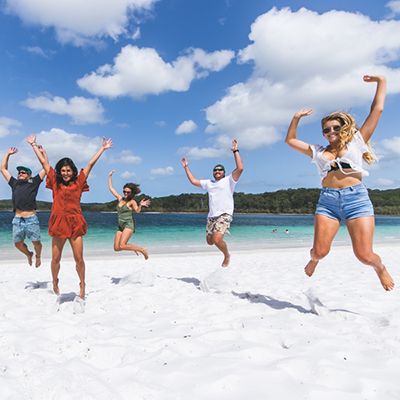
<point>22,168</point>
<point>219,166</point>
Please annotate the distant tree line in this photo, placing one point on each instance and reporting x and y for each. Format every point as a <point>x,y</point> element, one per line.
<point>296,201</point>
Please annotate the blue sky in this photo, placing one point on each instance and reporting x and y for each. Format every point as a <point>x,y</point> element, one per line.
<point>172,78</point>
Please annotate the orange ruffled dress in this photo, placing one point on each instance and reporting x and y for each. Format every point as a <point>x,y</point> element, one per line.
<point>66,219</point>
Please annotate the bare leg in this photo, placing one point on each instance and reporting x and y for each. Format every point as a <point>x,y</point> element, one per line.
<point>23,248</point>
<point>38,252</point>
<point>218,240</point>
<point>325,229</point>
<point>121,243</point>
<point>77,250</point>
<point>361,231</point>
<point>57,246</point>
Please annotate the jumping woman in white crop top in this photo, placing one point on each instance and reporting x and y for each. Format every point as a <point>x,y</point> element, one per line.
<point>343,195</point>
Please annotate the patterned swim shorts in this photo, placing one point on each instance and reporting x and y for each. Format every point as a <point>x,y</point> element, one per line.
<point>26,228</point>
<point>219,224</point>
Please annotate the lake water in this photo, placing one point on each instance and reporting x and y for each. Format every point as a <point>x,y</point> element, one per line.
<point>170,233</point>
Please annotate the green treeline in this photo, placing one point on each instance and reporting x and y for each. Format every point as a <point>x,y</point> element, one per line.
<point>297,201</point>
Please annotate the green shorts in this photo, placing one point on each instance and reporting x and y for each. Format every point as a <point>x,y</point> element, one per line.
<point>126,225</point>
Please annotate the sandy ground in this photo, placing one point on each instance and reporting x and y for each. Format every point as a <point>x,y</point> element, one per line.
<point>180,326</point>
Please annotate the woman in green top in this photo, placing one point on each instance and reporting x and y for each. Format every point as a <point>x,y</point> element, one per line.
<point>126,224</point>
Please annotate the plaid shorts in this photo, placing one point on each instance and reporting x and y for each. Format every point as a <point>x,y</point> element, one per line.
<point>219,224</point>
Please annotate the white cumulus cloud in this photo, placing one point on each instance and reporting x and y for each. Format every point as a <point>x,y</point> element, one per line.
<point>197,153</point>
<point>187,126</point>
<point>126,157</point>
<point>137,72</point>
<point>162,171</point>
<point>394,7</point>
<point>127,175</point>
<point>80,109</point>
<point>304,59</point>
<point>79,22</point>
<point>7,125</point>
<point>59,144</point>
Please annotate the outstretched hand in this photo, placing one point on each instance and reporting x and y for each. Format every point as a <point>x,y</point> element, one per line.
<point>111,172</point>
<point>106,144</point>
<point>12,150</point>
<point>145,202</point>
<point>304,112</point>
<point>373,78</point>
<point>184,162</point>
<point>234,144</point>
<point>31,139</point>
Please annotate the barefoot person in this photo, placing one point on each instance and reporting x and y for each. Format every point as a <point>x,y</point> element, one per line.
<point>66,221</point>
<point>220,197</point>
<point>343,195</point>
<point>126,224</point>
<point>25,223</point>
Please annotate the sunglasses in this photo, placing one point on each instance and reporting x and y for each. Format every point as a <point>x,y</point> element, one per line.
<point>22,173</point>
<point>218,170</point>
<point>335,128</point>
<point>126,191</point>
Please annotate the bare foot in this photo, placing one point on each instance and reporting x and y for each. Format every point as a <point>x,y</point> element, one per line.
<point>82,290</point>
<point>310,267</point>
<point>385,278</point>
<point>226,261</point>
<point>38,261</point>
<point>145,253</point>
<point>56,289</point>
<point>30,258</point>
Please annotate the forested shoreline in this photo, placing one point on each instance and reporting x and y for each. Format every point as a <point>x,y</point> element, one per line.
<point>289,201</point>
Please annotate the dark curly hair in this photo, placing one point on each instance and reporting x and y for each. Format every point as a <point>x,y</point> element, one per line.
<point>135,189</point>
<point>65,162</point>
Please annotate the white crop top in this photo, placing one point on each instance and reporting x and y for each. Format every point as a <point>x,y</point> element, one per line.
<point>353,156</point>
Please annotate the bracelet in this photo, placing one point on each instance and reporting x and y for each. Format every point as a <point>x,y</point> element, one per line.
<point>34,144</point>
<point>235,151</point>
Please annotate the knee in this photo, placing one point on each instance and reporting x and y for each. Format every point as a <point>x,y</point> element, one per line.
<point>56,260</point>
<point>318,252</point>
<point>365,257</point>
<point>78,260</point>
<point>117,248</point>
<point>209,240</point>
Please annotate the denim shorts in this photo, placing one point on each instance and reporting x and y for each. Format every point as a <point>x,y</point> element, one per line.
<point>347,203</point>
<point>26,228</point>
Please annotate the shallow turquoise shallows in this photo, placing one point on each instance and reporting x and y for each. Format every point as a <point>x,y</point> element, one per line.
<point>170,233</point>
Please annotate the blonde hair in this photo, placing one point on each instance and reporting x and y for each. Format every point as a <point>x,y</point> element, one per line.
<point>347,132</point>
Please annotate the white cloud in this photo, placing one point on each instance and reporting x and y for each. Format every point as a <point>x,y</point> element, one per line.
<point>38,51</point>
<point>197,153</point>
<point>126,157</point>
<point>136,35</point>
<point>80,22</point>
<point>80,109</point>
<point>59,143</point>
<point>390,148</point>
<point>7,125</point>
<point>161,124</point>
<point>384,182</point>
<point>394,7</point>
<point>137,72</point>
<point>187,126</point>
<point>304,59</point>
<point>127,175</point>
<point>162,171</point>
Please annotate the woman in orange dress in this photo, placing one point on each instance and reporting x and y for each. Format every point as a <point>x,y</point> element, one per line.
<point>66,220</point>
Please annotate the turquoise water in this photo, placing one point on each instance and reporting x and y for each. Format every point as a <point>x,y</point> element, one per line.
<point>168,233</point>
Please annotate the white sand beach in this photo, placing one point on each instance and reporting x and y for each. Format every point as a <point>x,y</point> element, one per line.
<point>179,327</point>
